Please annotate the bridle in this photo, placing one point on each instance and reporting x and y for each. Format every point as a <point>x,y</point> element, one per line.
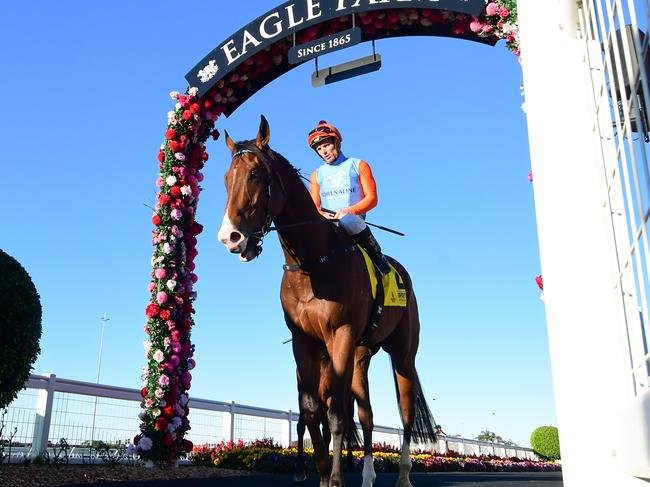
<point>248,147</point>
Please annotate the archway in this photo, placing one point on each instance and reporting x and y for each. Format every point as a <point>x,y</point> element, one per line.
<point>237,68</point>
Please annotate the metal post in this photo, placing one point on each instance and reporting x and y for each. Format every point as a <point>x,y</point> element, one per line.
<point>103,319</point>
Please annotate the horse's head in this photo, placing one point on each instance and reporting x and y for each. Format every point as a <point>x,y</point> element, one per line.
<point>252,198</point>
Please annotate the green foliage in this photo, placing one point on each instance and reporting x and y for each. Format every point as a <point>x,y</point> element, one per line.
<point>546,443</point>
<point>20,327</point>
<point>487,435</point>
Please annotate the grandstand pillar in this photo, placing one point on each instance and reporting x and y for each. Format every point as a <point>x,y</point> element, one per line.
<point>582,308</point>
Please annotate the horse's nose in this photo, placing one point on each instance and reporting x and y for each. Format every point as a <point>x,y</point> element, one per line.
<point>235,237</point>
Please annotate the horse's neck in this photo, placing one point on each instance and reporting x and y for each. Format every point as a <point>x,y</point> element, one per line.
<point>310,240</point>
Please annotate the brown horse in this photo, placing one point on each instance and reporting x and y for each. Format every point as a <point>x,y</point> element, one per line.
<point>327,301</point>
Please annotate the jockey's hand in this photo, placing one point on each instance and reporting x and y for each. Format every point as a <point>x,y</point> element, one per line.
<point>341,213</point>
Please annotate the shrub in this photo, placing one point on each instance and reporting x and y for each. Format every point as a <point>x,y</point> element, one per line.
<point>20,327</point>
<point>546,443</point>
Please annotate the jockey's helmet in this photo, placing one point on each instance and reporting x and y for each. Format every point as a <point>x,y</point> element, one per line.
<point>322,131</point>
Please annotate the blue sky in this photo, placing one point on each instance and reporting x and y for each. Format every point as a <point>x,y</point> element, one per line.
<point>86,98</point>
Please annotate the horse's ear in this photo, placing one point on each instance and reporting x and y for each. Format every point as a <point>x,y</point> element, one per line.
<point>230,143</point>
<point>264,134</point>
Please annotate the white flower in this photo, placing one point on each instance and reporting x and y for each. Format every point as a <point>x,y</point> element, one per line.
<point>158,356</point>
<point>178,106</point>
<point>185,190</point>
<point>179,156</point>
<point>147,346</point>
<point>171,284</point>
<point>170,180</point>
<point>193,91</point>
<point>155,412</point>
<point>166,247</point>
<point>176,214</point>
<point>171,117</point>
<point>174,95</point>
<point>145,444</point>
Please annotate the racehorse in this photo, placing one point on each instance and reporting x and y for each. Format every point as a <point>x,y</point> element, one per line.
<point>327,301</point>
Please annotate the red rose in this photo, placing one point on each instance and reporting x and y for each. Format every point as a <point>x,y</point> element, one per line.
<point>174,146</point>
<point>215,134</point>
<point>161,424</point>
<point>207,104</point>
<point>164,199</point>
<point>540,282</point>
<point>205,156</point>
<point>152,310</point>
<point>168,411</point>
<point>187,114</point>
<point>165,314</point>
<point>161,156</point>
<point>170,134</point>
<point>194,108</point>
<point>143,393</point>
<point>155,220</point>
<point>175,190</point>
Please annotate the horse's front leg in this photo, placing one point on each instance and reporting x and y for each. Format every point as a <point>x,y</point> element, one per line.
<point>300,469</point>
<point>341,351</point>
<point>361,392</point>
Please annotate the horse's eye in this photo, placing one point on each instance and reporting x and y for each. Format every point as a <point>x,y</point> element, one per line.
<point>254,174</point>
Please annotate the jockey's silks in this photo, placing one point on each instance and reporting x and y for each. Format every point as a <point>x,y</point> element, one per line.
<point>339,183</point>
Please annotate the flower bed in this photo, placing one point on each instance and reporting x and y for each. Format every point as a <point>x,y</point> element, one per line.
<point>266,456</point>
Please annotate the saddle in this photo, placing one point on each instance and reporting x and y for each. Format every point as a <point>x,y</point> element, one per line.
<point>387,290</point>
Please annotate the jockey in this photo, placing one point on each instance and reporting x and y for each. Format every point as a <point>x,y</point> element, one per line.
<point>346,186</point>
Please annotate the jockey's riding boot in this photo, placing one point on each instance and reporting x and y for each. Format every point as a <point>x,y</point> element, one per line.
<point>367,240</point>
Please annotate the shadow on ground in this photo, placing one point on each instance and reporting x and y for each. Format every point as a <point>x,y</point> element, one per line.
<point>441,479</point>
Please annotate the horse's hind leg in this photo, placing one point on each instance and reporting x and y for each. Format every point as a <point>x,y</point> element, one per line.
<point>361,392</point>
<point>300,469</point>
<point>402,346</point>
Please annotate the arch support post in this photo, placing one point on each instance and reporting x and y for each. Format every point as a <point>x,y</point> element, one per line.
<point>583,308</point>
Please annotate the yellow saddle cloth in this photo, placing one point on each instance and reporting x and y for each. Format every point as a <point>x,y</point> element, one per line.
<point>394,288</point>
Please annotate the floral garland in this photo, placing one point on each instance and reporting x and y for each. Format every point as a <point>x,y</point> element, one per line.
<point>169,349</point>
<point>500,20</point>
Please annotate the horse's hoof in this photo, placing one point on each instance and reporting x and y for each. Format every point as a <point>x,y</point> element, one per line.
<point>299,476</point>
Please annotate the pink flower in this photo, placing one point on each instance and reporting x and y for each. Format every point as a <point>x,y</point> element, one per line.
<point>148,403</point>
<point>176,214</point>
<point>175,360</point>
<point>191,363</point>
<point>160,273</point>
<point>530,176</point>
<point>159,182</point>
<point>176,347</point>
<point>151,286</point>
<point>492,9</point>
<point>504,13</point>
<point>158,356</point>
<point>159,393</point>
<point>161,297</point>
<point>475,25</point>
<point>163,381</point>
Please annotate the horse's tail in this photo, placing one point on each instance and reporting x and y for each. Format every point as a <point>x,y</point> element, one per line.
<point>423,423</point>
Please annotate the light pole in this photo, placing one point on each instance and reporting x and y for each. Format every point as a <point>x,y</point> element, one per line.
<point>103,319</point>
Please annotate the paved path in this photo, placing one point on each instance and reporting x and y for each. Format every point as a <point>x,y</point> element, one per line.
<point>441,479</point>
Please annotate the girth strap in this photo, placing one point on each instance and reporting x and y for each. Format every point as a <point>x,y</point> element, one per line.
<point>326,258</point>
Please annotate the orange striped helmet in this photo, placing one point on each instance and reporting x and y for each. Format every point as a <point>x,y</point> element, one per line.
<point>321,132</point>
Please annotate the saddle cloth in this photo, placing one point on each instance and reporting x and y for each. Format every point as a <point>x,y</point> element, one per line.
<point>394,288</point>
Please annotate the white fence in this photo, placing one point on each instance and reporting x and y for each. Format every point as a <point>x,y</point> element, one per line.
<point>51,408</point>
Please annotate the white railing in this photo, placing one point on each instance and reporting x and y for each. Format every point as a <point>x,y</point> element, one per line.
<point>51,408</point>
